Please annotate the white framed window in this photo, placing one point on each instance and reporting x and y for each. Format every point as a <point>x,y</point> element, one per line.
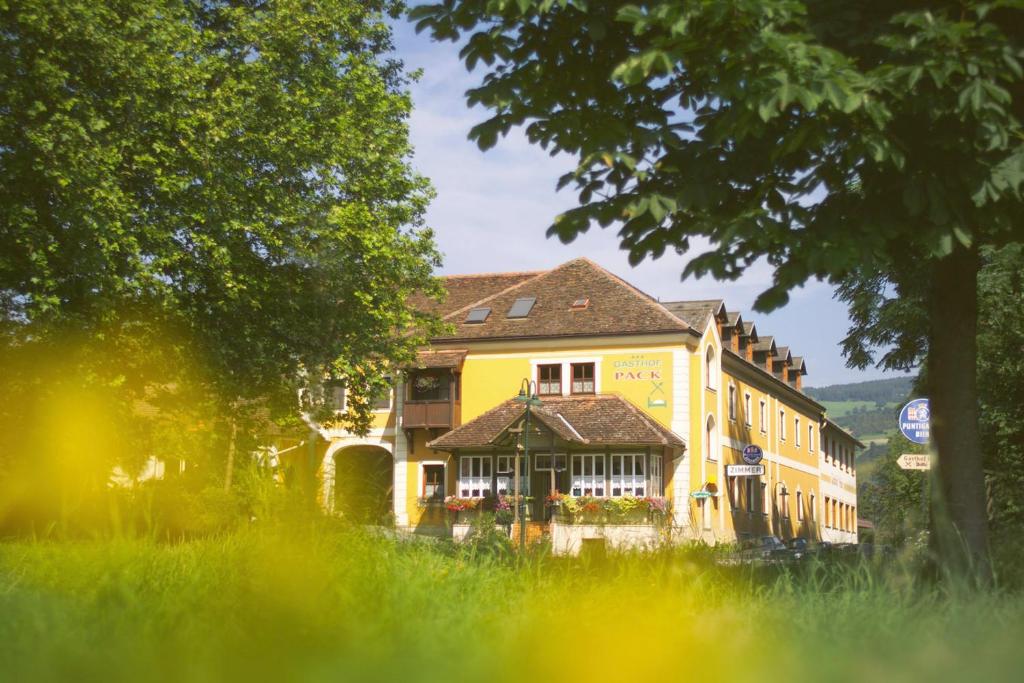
<point>656,476</point>
<point>750,493</point>
<point>542,462</point>
<point>382,403</point>
<point>732,402</point>
<point>711,439</point>
<point>710,376</point>
<point>764,417</point>
<point>588,475</point>
<point>748,416</point>
<point>432,480</point>
<point>782,424</point>
<point>810,438</point>
<point>734,493</point>
<point>762,499</point>
<point>334,395</point>
<point>799,506</point>
<point>796,431</point>
<point>474,476</point>
<point>784,501</point>
<point>505,469</point>
<point>814,508</point>
<point>628,478</point>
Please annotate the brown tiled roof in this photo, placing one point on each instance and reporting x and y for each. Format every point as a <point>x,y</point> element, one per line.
<point>697,314</point>
<point>749,330</point>
<point>782,353</point>
<point>764,343</point>
<point>615,307</point>
<point>798,364</point>
<point>441,359</point>
<point>606,420</point>
<point>733,318</point>
<point>465,289</point>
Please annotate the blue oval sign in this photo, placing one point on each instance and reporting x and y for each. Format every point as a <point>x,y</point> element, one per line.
<point>752,454</point>
<point>914,420</point>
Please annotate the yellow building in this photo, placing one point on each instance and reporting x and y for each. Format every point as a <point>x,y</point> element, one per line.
<point>642,416</point>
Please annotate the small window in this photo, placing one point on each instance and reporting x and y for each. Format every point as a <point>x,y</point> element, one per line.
<point>474,476</point>
<point>710,376</point>
<point>522,307</point>
<point>732,402</point>
<point>782,425</point>
<point>810,438</point>
<point>542,462</point>
<point>581,303</point>
<point>505,470</point>
<point>477,315</point>
<point>814,509</point>
<point>748,417</point>
<point>549,380</point>
<point>764,417</point>
<point>628,476</point>
<point>433,482</point>
<point>334,395</point>
<point>796,431</point>
<point>588,475</point>
<point>383,400</point>
<point>749,484</point>
<point>711,439</point>
<point>762,498</point>
<point>429,385</point>
<point>799,506</point>
<point>582,378</point>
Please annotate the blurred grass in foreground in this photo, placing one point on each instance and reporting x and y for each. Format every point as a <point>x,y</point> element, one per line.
<point>316,602</point>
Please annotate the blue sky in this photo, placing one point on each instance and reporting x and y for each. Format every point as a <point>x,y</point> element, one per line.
<point>492,210</point>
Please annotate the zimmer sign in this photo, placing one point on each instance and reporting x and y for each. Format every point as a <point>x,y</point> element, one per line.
<point>744,470</point>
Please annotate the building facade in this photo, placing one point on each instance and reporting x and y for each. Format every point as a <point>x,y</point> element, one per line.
<point>645,403</point>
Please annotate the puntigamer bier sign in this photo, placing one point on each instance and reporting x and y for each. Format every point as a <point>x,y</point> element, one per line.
<point>915,419</point>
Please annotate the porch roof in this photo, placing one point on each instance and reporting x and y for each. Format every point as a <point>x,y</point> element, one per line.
<point>605,420</point>
<point>448,358</point>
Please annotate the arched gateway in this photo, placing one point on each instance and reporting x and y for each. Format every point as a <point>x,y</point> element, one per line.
<point>362,488</point>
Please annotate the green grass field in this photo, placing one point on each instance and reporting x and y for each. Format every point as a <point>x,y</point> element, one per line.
<point>838,409</point>
<point>324,604</point>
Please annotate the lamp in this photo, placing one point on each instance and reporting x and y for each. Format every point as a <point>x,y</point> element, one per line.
<point>528,396</point>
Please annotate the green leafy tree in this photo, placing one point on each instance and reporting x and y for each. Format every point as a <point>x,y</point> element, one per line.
<point>890,316</point>
<point>815,136</point>
<point>206,191</point>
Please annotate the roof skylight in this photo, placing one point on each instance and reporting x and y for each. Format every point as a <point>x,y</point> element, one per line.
<point>522,307</point>
<point>477,315</point>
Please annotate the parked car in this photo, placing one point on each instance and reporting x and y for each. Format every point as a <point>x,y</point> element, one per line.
<point>763,548</point>
<point>798,548</point>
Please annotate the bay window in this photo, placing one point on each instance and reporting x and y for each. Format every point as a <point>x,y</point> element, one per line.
<point>588,475</point>
<point>628,475</point>
<point>474,476</point>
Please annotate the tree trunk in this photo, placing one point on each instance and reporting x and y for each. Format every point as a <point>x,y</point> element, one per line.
<point>230,469</point>
<point>960,522</point>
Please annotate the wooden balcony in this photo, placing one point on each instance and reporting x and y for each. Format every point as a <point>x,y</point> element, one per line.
<point>429,414</point>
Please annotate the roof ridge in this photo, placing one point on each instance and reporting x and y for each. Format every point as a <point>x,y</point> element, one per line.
<point>494,274</point>
<point>639,293</point>
<point>539,274</point>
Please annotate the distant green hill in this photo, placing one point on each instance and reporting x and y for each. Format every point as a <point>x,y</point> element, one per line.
<point>868,409</point>
<point>884,391</point>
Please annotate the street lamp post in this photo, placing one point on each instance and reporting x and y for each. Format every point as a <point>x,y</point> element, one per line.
<point>528,396</point>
